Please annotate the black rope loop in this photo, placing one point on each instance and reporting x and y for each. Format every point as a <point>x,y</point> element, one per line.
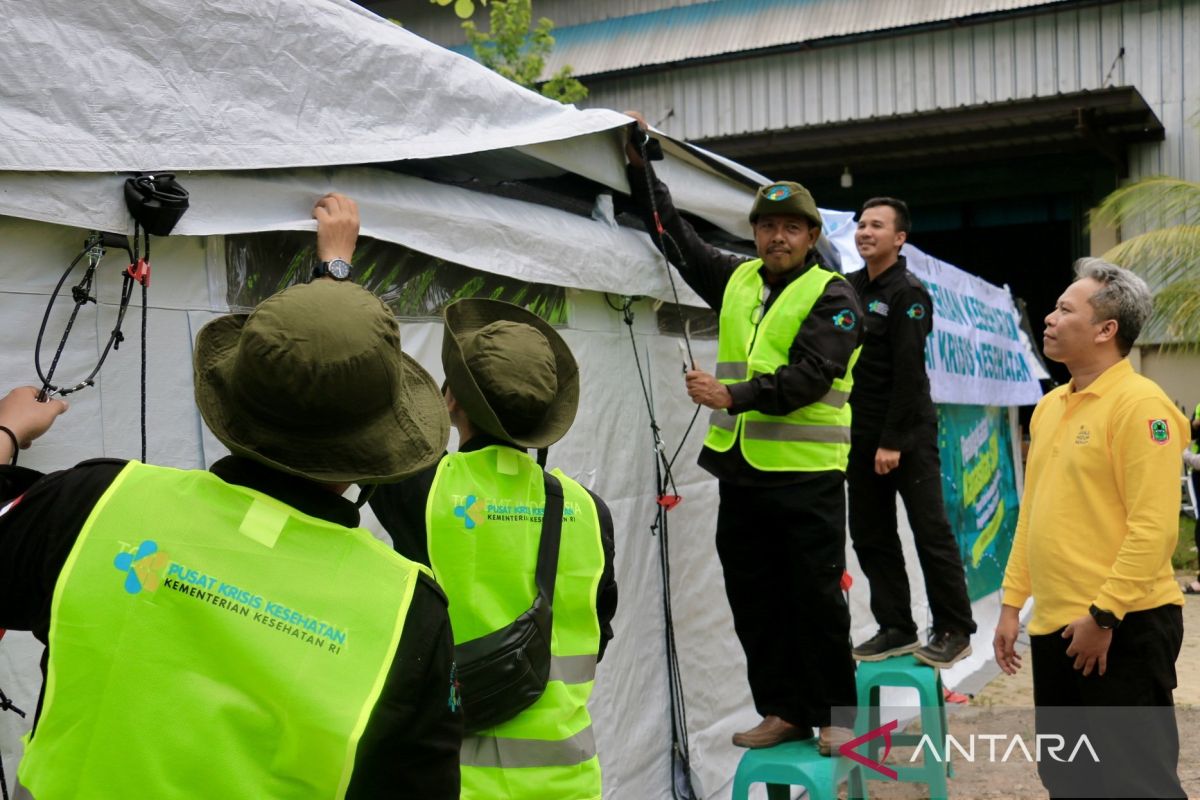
<point>94,249</point>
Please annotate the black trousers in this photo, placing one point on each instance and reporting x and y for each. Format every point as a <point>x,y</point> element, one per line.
<point>1127,714</point>
<point>783,551</point>
<point>876,538</point>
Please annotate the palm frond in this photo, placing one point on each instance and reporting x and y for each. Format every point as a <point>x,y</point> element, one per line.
<point>1150,202</point>
<point>1177,314</point>
<point>1162,256</point>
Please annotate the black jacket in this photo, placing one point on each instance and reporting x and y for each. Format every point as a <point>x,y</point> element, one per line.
<point>890,398</point>
<point>411,743</point>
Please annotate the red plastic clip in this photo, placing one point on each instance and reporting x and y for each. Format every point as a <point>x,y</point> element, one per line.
<point>658,224</point>
<point>140,271</point>
<point>847,580</point>
<point>669,501</point>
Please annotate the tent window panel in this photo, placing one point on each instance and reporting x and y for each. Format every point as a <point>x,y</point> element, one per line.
<point>413,284</point>
<point>701,323</point>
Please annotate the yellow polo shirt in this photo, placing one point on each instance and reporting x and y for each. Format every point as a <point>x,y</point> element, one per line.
<point>1100,516</point>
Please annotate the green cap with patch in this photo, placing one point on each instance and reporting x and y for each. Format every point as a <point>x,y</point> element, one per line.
<point>785,197</point>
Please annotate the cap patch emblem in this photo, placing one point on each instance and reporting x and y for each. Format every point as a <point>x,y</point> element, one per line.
<point>778,192</point>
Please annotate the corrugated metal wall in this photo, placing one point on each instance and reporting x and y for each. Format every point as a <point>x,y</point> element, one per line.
<point>737,26</point>
<point>1062,51</point>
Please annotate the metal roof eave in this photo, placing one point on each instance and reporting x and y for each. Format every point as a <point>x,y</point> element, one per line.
<point>1103,121</point>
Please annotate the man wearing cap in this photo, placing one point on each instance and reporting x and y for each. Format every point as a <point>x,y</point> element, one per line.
<point>894,449</point>
<point>778,440</point>
<point>232,633</point>
<point>512,385</point>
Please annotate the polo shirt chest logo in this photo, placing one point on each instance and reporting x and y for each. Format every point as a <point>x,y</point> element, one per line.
<point>1160,433</point>
<point>1084,436</point>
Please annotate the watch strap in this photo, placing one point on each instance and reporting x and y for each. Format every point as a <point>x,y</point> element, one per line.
<point>1105,619</point>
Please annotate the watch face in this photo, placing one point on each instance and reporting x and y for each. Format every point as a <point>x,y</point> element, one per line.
<point>339,269</point>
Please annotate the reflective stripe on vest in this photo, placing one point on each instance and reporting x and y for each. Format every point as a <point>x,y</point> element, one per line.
<point>483,520</point>
<point>490,751</point>
<point>812,438</point>
<point>202,636</point>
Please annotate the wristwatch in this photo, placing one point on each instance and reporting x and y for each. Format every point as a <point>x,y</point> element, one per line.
<point>338,269</point>
<point>1106,620</point>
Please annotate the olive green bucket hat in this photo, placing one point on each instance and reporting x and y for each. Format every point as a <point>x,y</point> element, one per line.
<point>511,372</point>
<point>313,383</point>
<point>785,197</point>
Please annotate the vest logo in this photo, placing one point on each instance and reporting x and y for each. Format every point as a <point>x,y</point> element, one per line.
<point>878,307</point>
<point>1084,436</point>
<point>916,311</point>
<point>1159,432</point>
<point>470,512</point>
<point>143,568</point>
<point>845,319</point>
<point>778,192</point>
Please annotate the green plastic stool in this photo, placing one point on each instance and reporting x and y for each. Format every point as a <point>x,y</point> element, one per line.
<point>784,765</point>
<point>902,671</point>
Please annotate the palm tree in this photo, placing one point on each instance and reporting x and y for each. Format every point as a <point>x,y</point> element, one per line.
<point>1167,255</point>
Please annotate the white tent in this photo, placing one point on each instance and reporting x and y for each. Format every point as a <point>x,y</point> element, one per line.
<point>261,106</point>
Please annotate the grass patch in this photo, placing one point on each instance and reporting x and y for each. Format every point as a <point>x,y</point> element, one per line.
<point>1185,556</point>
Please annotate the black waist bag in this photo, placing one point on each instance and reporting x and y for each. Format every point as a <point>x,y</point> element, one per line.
<point>505,672</point>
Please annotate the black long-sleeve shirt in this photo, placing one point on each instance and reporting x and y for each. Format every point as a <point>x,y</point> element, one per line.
<point>891,397</point>
<point>819,354</point>
<point>410,746</point>
<point>400,508</point>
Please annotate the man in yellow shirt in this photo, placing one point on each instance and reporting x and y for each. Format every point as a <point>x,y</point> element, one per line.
<point>1093,546</point>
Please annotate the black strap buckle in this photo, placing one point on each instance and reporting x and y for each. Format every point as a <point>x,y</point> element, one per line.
<point>156,201</point>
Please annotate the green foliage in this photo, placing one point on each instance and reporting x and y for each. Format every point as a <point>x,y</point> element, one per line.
<point>1166,255</point>
<point>463,8</point>
<point>514,50</point>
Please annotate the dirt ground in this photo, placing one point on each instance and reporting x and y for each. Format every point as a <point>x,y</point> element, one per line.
<point>1015,779</point>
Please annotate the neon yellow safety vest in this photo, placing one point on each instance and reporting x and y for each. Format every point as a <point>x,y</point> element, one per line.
<point>484,523</point>
<point>207,640</point>
<point>812,438</point>
<point>1195,445</point>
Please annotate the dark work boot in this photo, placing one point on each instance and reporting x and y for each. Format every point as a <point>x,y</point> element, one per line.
<point>885,644</point>
<point>945,649</point>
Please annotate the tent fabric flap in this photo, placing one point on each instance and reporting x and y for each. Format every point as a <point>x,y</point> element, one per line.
<point>231,85</point>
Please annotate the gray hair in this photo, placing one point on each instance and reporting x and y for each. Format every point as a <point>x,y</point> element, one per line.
<point>1122,296</point>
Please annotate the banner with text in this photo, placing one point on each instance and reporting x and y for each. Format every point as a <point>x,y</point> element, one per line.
<point>980,490</point>
<point>977,353</point>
